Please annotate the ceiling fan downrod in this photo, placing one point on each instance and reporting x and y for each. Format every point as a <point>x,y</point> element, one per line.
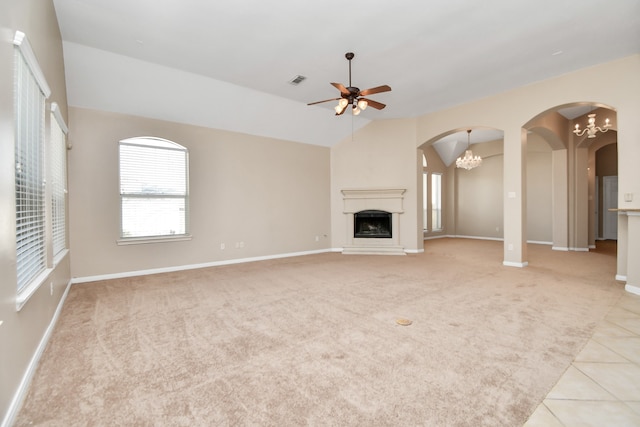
<point>349,56</point>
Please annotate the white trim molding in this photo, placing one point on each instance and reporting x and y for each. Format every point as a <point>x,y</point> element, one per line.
<point>23,388</point>
<point>126,274</point>
<point>632,289</point>
<point>21,42</point>
<point>515,264</point>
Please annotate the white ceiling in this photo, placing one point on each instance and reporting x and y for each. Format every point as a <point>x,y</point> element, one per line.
<point>226,64</point>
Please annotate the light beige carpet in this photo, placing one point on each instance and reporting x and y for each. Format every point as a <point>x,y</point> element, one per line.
<point>313,340</point>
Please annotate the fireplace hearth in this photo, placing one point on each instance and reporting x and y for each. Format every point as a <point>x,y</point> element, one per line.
<point>372,224</point>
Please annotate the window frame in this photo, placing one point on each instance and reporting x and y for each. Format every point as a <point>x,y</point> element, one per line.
<point>34,259</point>
<point>425,195</point>
<point>436,202</point>
<point>58,187</point>
<point>147,142</point>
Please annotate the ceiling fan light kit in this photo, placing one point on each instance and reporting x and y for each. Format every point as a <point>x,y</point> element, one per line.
<point>353,96</point>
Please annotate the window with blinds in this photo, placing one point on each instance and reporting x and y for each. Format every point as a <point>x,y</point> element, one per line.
<point>153,188</point>
<point>31,91</point>
<point>58,167</point>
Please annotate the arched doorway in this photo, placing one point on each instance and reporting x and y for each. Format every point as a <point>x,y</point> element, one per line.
<point>574,180</point>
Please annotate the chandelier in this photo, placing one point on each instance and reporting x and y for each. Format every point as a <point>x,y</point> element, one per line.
<point>591,128</point>
<point>469,161</point>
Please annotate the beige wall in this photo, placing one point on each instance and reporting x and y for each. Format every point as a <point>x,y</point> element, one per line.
<point>477,195</point>
<point>270,195</point>
<point>539,190</point>
<point>382,155</point>
<point>21,332</point>
<point>479,199</point>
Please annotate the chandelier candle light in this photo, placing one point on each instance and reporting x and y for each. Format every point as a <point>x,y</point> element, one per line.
<point>591,128</point>
<point>469,161</point>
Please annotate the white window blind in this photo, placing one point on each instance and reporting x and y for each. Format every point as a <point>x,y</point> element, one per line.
<point>436,201</point>
<point>58,164</point>
<point>153,188</point>
<point>31,92</point>
<point>425,193</point>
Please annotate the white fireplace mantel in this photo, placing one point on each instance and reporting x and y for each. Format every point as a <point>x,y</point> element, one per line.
<point>381,199</point>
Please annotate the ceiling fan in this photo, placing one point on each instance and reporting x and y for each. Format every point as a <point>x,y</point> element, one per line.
<point>353,96</point>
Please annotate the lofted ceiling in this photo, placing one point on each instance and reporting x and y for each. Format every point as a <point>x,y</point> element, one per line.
<point>227,64</point>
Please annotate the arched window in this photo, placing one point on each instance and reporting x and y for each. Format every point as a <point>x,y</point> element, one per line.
<point>154,190</point>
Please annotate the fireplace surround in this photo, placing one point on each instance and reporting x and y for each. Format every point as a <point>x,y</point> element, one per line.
<point>378,209</point>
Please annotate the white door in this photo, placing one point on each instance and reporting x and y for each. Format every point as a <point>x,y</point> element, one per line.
<point>609,201</point>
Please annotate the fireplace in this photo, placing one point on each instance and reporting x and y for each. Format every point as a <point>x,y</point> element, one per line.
<point>372,219</point>
<point>372,224</point>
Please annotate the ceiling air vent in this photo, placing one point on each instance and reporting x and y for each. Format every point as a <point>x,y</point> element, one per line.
<point>297,80</point>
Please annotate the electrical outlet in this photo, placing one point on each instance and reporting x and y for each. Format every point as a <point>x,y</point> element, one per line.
<point>510,246</point>
<point>242,244</point>
<point>317,238</point>
<point>222,246</point>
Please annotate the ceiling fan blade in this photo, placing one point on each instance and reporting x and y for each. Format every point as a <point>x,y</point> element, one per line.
<point>374,104</point>
<point>326,100</point>
<point>339,113</point>
<point>341,88</point>
<point>383,88</point>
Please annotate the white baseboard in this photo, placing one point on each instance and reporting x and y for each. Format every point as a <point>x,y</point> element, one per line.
<point>500,239</point>
<point>125,274</point>
<point>632,289</point>
<point>21,392</point>
<point>515,264</point>
<point>560,248</point>
<point>621,278</point>
<point>414,251</point>
<point>437,236</point>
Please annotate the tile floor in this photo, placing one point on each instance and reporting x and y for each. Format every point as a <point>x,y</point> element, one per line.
<point>602,385</point>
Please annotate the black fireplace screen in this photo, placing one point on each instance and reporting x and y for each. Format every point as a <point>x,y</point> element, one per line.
<point>372,224</point>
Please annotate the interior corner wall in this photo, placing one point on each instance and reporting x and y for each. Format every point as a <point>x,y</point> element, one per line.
<point>259,197</point>
<point>380,155</point>
<point>479,198</point>
<point>539,191</point>
<point>22,333</point>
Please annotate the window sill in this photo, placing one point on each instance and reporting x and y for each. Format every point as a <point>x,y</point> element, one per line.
<point>158,239</point>
<point>28,291</point>
<point>59,257</point>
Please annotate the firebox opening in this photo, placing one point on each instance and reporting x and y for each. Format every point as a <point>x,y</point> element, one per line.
<point>372,224</point>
